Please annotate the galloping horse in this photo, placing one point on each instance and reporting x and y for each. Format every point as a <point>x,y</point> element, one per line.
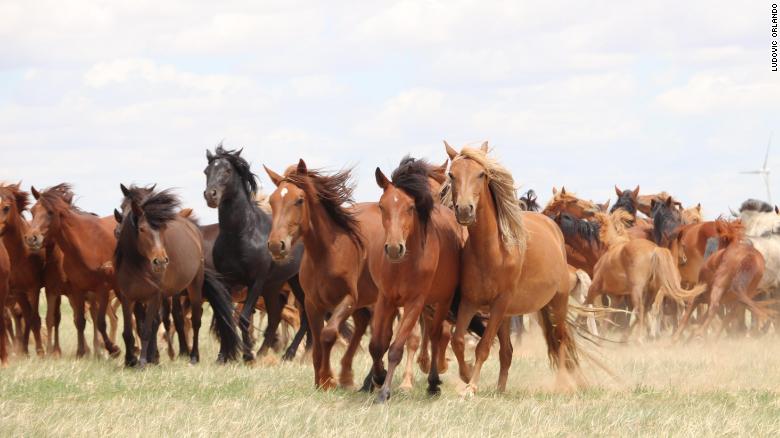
<point>159,254</point>
<point>513,263</point>
<point>635,267</point>
<point>419,266</point>
<point>564,206</point>
<point>241,249</point>
<point>309,206</point>
<point>87,243</point>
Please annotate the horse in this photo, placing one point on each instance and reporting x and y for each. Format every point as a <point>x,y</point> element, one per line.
<point>240,250</point>
<point>667,219</point>
<point>568,205</point>
<point>635,267</point>
<point>513,263</point>
<point>627,200</point>
<point>317,209</point>
<point>418,265</point>
<point>529,201</point>
<point>762,228</point>
<point>28,269</point>
<point>732,275</point>
<point>692,215</point>
<point>5,275</point>
<point>87,243</point>
<point>583,238</point>
<point>160,253</point>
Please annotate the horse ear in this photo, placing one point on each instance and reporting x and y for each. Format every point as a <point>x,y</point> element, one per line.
<point>563,190</point>
<point>605,206</point>
<point>698,207</point>
<point>484,146</point>
<point>153,187</point>
<point>209,156</point>
<point>555,191</point>
<point>618,191</point>
<point>777,210</point>
<point>652,204</point>
<point>443,168</point>
<point>381,179</point>
<point>302,167</point>
<point>635,193</point>
<point>238,152</point>
<point>137,211</point>
<point>275,177</point>
<point>117,216</point>
<point>36,194</point>
<point>452,153</point>
<point>125,192</point>
<point>669,201</point>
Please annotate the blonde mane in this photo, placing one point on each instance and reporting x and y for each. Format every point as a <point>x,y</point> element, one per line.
<point>612,226</point>
<point>563,197</point>
<point>261,199</point>
<point>502,187</point>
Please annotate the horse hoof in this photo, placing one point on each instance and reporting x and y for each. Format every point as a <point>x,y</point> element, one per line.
<point>288,356</point>
<point>114,353</point>
<point>406,386</point>
<point>383,396</point>
<point>194,361</point>
<point>469,391</point>
<point>434,391</point>
<point>56,354</point>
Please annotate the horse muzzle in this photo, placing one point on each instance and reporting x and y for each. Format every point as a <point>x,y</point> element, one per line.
<point>395,252</point>
<point>34,242</point>
<point>465,214</point>
<point>212,197</point>
<point>160,264</point>
<point>280,249</point>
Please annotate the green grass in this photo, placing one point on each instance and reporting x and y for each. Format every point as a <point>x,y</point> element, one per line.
<point>728,387</point>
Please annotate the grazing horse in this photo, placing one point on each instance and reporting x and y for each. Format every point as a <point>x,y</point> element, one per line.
<point>87,243</point>
<point>241,248</point>
<point>635,267</point>
<point>513,263</point>
<point>160,253</point>
<point>419,266</point>
<point>732,274</point>
<point>314,208</point>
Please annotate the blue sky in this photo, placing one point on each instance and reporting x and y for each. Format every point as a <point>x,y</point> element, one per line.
<point>671,96</point>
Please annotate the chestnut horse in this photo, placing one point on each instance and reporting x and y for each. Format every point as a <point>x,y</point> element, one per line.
<point>732,275</point>
<point>160,253</point>
<point>87,243</point>
<point>309,206</point>
<point>513,263</point>
<point>635,267</point>
<point>419,265</point>
<point>5,274</point>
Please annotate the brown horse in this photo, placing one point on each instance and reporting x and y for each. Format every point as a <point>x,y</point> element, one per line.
<point>692,241</point>
<point>5,274</point>
<point>635,267</point>
<point>419,265</point>
<point>513,263</point>
<point>87,243</point>
<point>692,215</point>
<point>160,253</point>
<point>310,206</point>
<point>732,275</point>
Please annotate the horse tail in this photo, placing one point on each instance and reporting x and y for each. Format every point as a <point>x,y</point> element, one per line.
<point>477,323</point>
<point>223,324</point>
<point>580,289</point>
<point>561,347</point>
<point>667,278</point>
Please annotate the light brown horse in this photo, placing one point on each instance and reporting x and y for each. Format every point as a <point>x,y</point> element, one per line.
<point>513,263</point>
<point>309,205</point>
<point>87,243</point>
<point>732,275</point>
<point>419,265</point>
<point>692,241</point>
<point>159,254</point>
<point>637,268</point>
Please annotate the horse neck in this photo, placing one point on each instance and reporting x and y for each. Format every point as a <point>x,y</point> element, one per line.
<point>79,236</point>
<point>13,237</point>
<point>484,232</point>
<point>235,213</point>
<point>319,231</point>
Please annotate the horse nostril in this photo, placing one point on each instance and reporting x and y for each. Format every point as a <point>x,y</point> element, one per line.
<point>387,249</point>
<point>213,192</point>
<point>281,245</point>
<point>166,260</point>
<point>471,208</point>
<point>401,248</point>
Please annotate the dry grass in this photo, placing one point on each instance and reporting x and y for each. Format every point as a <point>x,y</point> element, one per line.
<point>725,388</point>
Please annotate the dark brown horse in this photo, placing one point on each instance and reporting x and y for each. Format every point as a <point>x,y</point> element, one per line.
<point>309,206</point>
<point>418,265</point>
<point>87,243</point>
<point>159,254</point>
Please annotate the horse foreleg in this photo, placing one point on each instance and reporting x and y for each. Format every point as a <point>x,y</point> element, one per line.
<point>197,315</point>
<point>466,312</point>
<point>412,346</point>
<point>316,320</point>
<point>178,322</point>
<point>127,332</point>
<point>152,310</point>
<point>424,358</point>
<point>303,329</point>
<point>53,300</point>
<point>437,333</point>
<point>685,318</point>
<point>496,319</point>
<point>113,319</point>
<point>329,336</point>
<point>167,326</point>
<point>504,353</point>
<point>273,306</point>
<point>33,297</point>
<point>102,305</point>
<point>361,317</point>
<point>381,333</point>
<point>3,329</point>
<point>79,320</point>
<point>411,316</point>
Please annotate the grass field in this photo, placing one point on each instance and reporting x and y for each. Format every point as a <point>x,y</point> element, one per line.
<point>728,387</point>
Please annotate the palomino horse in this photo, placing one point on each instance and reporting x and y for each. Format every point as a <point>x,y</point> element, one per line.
<point>692,215</point>
<point>513,263</point>
<point>159,254</point>
<point>732,275</point>
<point>241,248</point>
<point>87,243</point>
<point>635,267</point>
<point>309,206</point>
<point>419,265</point>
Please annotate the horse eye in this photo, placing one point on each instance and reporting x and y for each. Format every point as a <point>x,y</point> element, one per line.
<point>481,175</point>
<point>450,175</point>
<point>6,209</point>
<point>299,202</point>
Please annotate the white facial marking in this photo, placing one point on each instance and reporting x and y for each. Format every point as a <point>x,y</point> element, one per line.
<point>395,198</point>
<point>283,192</point>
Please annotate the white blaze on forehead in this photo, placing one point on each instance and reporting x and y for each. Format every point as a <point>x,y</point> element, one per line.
<point>395,198</point>
<point>283,192</point>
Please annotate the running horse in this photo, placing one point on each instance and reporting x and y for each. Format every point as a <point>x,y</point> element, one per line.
<point>160,253</point>
<point>87,243</point>
<point>315,208</point>
<point>418,266</point>
<point>513,263</point>
<point>240,251</point>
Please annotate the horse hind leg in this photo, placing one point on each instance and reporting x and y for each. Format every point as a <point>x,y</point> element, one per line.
<point>167,326</point>
<point>33,297</point>
<point>362,318</point>
<point>504,353</point>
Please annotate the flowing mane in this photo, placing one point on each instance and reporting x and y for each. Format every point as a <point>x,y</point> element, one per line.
<point>241,166</point>
<point>563,197</point>
<point>21,198</point>
<point>612,226</point>
<point>571,226</point>
<point>729,231</point>
<point>137,194</point>
<point>60,197</point>
<point>502,188</point>
<point>411,176</point>
<point>333,192</point>
<point>158,209</point>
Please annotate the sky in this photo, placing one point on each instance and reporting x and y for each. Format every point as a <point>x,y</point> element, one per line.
<point>668,95</point>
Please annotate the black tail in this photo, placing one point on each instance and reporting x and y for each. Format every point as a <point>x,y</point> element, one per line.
<point>477,324</point>
<point>223,324</point>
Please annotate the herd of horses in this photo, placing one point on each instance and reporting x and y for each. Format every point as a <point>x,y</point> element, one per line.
<point>445,251</point>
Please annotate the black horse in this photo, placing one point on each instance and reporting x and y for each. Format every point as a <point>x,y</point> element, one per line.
<point>240,251</point>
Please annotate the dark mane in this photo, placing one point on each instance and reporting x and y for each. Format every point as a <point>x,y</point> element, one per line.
<point>625,202</point>
<point>21,198</point>
<point>332,191</point>
<point>411,176</point>
<point>160,208</point>
<point>666,220</point>
<point>529,201</point>
<point>51,197</point>
<point>137,194</point>
<point>233,156</point>
<point>756,205</point>
<point>571,226</point>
